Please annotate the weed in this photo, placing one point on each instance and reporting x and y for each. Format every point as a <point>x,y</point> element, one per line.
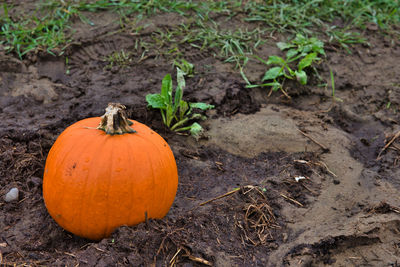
<point>186,67</point>
<point>233,46</point>
<point>303,50</point>
<point>48,27</point>
<point>35,32</point>
<point>67,66</point>
<point>118,58</point>
<point>334,98</point>
<point>175,112</point>
<point>304,15</point>
<point>344,37</point>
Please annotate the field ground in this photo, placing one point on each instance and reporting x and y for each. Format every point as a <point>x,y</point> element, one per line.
<point>309,179</point>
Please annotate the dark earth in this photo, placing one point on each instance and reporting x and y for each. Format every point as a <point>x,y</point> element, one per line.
<point>238,201</point>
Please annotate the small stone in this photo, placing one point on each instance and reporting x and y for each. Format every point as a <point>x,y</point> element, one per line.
<point>12,195</point>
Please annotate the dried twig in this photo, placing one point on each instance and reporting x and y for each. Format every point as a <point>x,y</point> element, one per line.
<point>284,92</point>
<point>324,148</point>
<point>199,260</point>
<point>326,167</point>
<point>219,166</point>
<point>221,196</point>
<point>388,144</point>
<point>396,147</point>
<point>311,191</point>
<point>258,219</point>
<point>70,254</point>
<point>99,249</point>
<point>187,254</point>
<point>291,199</point>
<point>384,207</point>
<point>173,259</point>
<point>261,218</point>
<point>318,163</point>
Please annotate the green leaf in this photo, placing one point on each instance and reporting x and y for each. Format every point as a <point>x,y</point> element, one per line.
<point>179,90</point>
<point>273,84</point>
<point>185,66</point>
<point>307,61</point>
<point>291,53</point>
<point>276,60</point>
<point>180,78</point>
<point>156,101</point>
<point>169,114</point>
<point>283,45</point>
<point>200,105</point>
<point>301,76</point>
<point>300,39</point>
<point>273,73</point>
<point>319,51</point>
<point>276,86</point>
<point>196,116</point>
<point>261,60</point>
<point>307,48</point>
<point>183,108</point>
<point>253,85</point>
<point>317,46</point>
<point>196,130</point>
<point>166,88</point>
<point>178,99</point>
<point>244,76</point>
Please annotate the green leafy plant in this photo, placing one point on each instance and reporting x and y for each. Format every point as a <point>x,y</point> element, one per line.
<point>177,113</point>
<point>301,52</point>
<point>185,66</point>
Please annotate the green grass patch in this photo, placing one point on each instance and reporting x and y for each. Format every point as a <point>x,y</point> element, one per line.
<point>49,26</point>
<point>304,15</point>
<point>34,32</point>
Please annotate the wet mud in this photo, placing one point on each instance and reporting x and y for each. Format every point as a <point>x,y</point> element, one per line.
<point>305,181</point>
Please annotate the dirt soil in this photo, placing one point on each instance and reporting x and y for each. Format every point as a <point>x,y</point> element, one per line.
<point>306,187</point>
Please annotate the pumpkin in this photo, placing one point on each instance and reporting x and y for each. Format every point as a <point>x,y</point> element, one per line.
<point>99,178</point>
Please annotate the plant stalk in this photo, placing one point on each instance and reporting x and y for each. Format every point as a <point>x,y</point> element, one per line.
<point>115,121</point>
<point>179,123</point>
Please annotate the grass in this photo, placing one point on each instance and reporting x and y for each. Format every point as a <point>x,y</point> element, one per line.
<point>34,32</point>
<point>304,15</point>
<point>337,19</point>
<point>345,38</point>
<point>49,26</point>
<point>118,59</point>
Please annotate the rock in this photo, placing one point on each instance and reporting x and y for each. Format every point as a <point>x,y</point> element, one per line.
<point>12,195</point>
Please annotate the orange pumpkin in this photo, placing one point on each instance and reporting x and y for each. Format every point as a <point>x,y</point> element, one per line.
<point>99,178</point>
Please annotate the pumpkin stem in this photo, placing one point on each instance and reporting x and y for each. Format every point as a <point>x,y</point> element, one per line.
<point>114,121</point>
